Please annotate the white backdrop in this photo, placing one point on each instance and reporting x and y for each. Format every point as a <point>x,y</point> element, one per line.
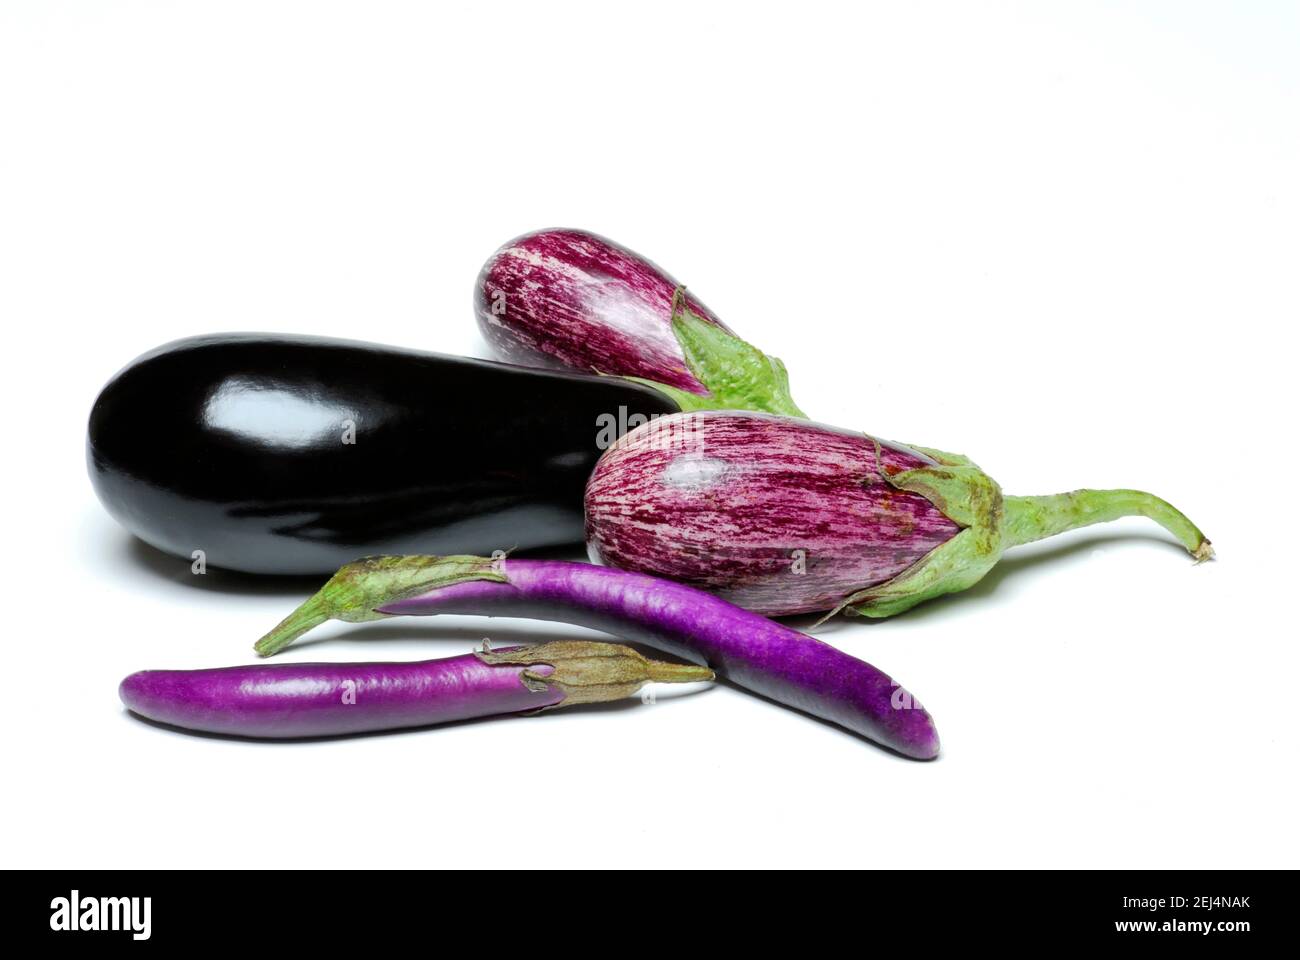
<point>1062,239</point>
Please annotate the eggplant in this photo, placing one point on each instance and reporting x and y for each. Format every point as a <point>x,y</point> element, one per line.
<point>757,654</point>
<point>276,454</point>
<point>574,299</point>
<point>278,701</point>
<point>785,516</point>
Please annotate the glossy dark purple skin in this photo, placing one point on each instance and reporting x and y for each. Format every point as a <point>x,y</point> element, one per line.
<point>284,700</point>
<point>234,444</point>
<point>751,651</point>
<point>574,299</point>
<point>777,515</point>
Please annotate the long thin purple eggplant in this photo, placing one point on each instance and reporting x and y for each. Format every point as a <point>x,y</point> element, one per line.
<point>330,699</point>
<point>753,652</point>
<point>785,516</point>
<point>574,299</point>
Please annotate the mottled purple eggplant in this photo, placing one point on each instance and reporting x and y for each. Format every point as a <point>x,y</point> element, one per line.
<point>785,516</point>
<point>751,651</point>
<point>574,299</point>
<point>331,699</point>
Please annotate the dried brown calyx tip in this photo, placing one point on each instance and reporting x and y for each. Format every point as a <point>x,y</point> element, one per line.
<point>591,671</point>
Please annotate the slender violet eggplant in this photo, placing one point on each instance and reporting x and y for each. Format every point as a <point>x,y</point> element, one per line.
<point>753,652</point>
<point>328,699</point>
<point>293,455</point>
<point>786,516</point>
<point>574,299</point>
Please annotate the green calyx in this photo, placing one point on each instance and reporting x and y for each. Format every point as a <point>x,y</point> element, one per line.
<point>992,522</point>
<point>968,497</point>
<point>354,592</point>
<point>737,374</point>
<point>587,671</point>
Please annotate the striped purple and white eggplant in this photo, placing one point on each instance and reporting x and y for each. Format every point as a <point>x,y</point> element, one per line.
<point>785,516</point>
<point>753,652</point>
<point>574,299</point>
<point>284,700</point>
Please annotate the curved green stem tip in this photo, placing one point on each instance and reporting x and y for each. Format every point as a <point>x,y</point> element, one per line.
<point>359,587</point>
<point>1032,518</point>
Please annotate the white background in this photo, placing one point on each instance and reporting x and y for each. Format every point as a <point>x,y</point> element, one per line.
<point>1060,239</point>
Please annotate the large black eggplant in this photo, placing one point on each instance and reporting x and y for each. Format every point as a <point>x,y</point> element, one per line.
<point>294,455</point>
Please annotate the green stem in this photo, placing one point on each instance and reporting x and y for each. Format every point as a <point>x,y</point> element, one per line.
<point>593,672</point>
<point>660,671</point>
<point>1027,519</point>
<point>315,611</point>
<point>737,374</point>
<point>352,594</point>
